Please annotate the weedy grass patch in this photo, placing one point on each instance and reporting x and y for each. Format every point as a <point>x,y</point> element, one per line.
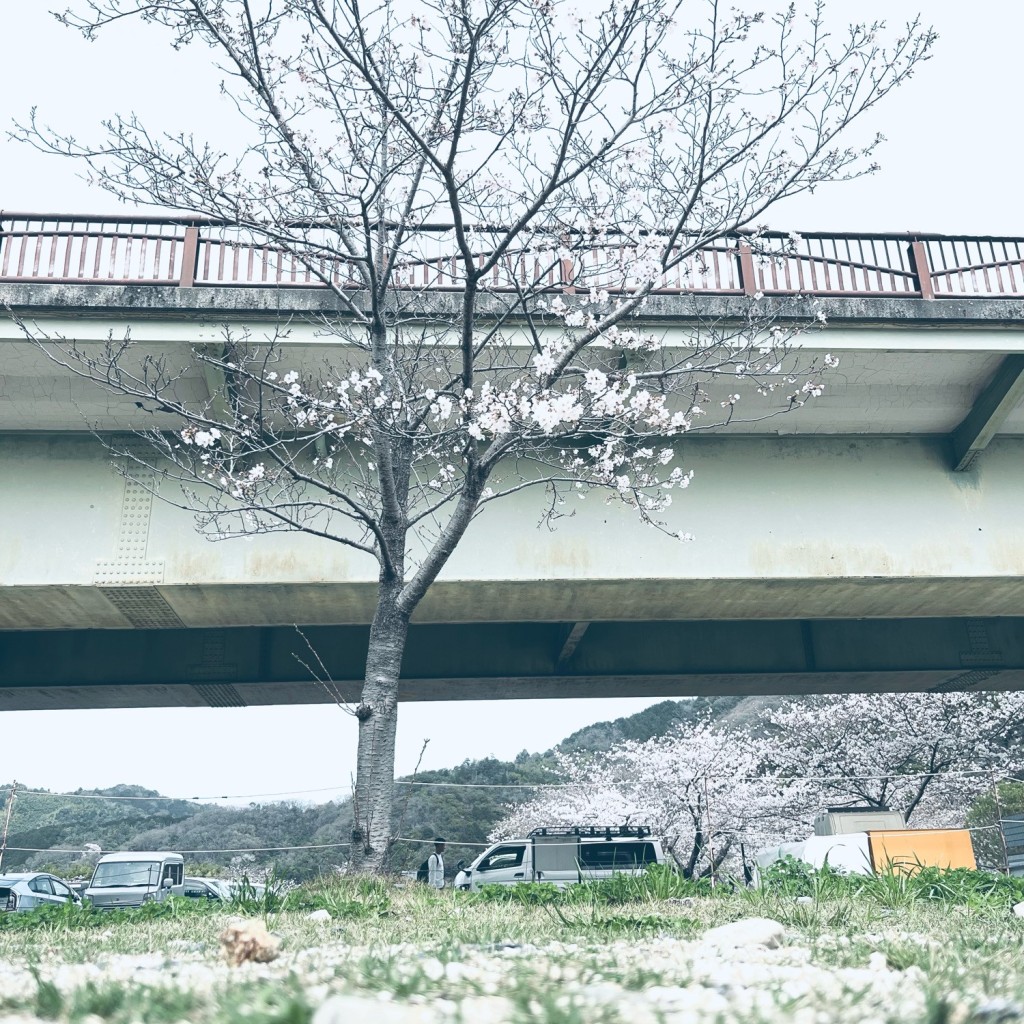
<point>943,947</point>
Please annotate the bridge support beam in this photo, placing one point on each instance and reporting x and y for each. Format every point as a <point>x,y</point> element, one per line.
<point>510,660</point>
<point>993,405</point>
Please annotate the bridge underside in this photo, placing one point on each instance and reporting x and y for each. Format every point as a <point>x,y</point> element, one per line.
<point>240,666</point>
<point>871,542</point>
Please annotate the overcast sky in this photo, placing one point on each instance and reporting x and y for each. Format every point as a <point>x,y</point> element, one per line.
<point>952,164</point>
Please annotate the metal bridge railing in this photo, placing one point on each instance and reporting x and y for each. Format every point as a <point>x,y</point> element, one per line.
<point>190,252</point>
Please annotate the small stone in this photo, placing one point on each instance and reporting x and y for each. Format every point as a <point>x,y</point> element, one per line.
<point>319,915</point>
<point>488,1009</point>
<point>804,899</point>
<point>754,931</point>
<point>249,942</point>
<point>349,1009</point>
<point>1018,909</point>
<point>878,962</point>
<point>997,1011</point>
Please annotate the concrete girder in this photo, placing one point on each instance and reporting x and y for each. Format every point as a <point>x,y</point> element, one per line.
<point>488,661</point>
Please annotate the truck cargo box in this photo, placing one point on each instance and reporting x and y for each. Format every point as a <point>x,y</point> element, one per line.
<point>909,849</point>
<point>841,821</point>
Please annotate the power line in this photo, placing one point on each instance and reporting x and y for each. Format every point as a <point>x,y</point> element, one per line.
<point>782,780</point>
<point>177,799</point>
<point>737,834</point>
<point>239,849</point>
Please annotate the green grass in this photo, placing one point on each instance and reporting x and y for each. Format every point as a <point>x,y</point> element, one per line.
<point>596,953</point>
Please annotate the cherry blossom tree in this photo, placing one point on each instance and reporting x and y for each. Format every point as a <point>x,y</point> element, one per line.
<point>706,787</point>
<point>929,755</point>
<point>491,191</point>
<point>703,788</point>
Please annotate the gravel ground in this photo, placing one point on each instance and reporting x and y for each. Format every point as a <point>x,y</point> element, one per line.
<point>752,970</point>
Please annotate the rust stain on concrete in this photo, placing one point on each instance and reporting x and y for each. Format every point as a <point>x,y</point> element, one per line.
<point>575,556</point>
<point>287,565</point>
<point>10,553</point>
<point>822,559</point>
<point>1006,552</point>
<point>193,568</point>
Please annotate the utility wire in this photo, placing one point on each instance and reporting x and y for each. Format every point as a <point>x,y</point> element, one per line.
<point>735,833</point>
<point>781,780</point>
<point>193,853</point>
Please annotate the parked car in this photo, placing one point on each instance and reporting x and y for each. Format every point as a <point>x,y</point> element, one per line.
<point>246,890</point>
<point>564,855</point>
<point>213,889</point>
<point>26,890</point>
<point>130,879</point>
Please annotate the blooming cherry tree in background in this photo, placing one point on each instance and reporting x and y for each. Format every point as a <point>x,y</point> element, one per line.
<point>929,755</point>
<point>707,787</point>
<point>491,192</point>
<point>704,788</point>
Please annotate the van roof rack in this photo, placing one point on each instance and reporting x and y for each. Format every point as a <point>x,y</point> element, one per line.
<point>593,831</point>
<point>858,809</point>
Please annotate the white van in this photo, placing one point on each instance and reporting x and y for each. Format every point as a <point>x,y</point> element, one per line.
<point>130,879</point>
<point>564,855</point>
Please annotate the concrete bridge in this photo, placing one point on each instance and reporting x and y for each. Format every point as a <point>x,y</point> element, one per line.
<point>873,541</point>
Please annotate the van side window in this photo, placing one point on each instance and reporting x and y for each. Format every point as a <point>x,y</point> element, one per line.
<point>175,872</point>
<point>616,855</point>
<point>503,857</point>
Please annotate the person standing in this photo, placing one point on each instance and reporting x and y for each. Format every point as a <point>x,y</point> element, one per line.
<point>435,865</point>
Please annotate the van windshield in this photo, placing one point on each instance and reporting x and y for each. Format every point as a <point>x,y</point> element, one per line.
<point>501,857</point>
<point>126,873</point>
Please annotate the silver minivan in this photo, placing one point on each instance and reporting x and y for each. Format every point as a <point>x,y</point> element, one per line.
<point>130,879</point>
<point>564,855</point>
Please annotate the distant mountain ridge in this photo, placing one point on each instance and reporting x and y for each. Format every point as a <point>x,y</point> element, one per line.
<point>462,803</point>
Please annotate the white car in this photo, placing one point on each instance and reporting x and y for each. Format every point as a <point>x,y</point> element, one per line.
<point>30,889</point>
<point>564,855</point>
<point>213,889</point>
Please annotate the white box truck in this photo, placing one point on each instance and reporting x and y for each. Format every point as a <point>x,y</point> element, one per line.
<point>124,880</point>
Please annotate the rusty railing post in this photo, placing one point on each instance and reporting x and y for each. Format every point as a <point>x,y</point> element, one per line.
<point>189,258</point>
<point>567,271</point>
<point>748,276</point>
<point>922,269</point>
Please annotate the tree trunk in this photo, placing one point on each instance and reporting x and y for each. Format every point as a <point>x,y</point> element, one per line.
<point>378,721</point>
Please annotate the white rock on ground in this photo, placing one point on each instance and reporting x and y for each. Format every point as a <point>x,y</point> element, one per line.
<point>319,915</point>
<point>352,1009</point>
<point>753,931</point>
<point>1018,909</point>
<point>878,962</point>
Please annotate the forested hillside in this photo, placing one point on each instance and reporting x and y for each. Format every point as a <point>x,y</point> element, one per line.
<point>462,803</point>
<point>109,818</point>
<point>930,758</point>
